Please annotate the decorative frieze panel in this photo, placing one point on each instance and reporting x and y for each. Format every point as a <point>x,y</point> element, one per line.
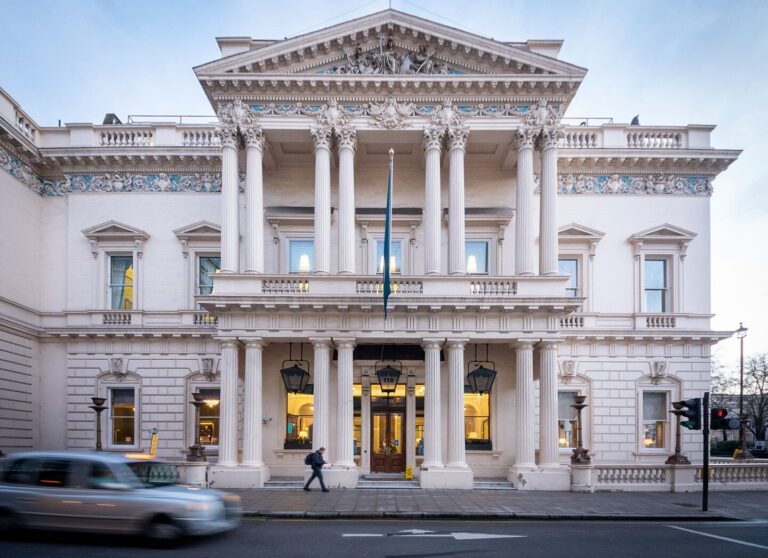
<point>644,185</point>
<point>406,109</point>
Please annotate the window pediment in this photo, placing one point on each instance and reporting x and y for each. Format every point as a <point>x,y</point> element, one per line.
<point>202,231</point>
<point>660,235</point>
<point>113,231</point>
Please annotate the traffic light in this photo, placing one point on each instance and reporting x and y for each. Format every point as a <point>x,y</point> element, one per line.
<point>690,409</point>
<point>718,420</point>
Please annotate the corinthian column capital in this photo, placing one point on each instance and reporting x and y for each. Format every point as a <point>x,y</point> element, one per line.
<point>227,135</point>
<point>347,137</point>
<point>321,136</point>
<point>433,137</point>
<point>457,137</point>
<point>551,136</point>
<point>253,136</point>
<point>526,136</point>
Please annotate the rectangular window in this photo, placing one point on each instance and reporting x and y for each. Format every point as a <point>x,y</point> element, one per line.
<point>395,256</point>
<point>476,254</point>
<point>205,266</point>
<point>122,416</point>
<point>301,256</point>
<point>654,419</point>
<point>477,420</point>
<point>570,266</point>
<point>208,417</point>
<point>300,414</point>
<point>566,419</point>
<point>121,282</point>
<point>655,284</point>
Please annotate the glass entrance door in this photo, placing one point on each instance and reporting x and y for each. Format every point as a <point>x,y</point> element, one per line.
<point>387,442</point>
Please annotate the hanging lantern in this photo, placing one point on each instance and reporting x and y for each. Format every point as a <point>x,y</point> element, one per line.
<point>481,378</point>
<point>388,376</point>
<point>294,376</point>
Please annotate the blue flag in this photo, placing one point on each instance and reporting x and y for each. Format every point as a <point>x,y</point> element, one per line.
<point>387,288</point>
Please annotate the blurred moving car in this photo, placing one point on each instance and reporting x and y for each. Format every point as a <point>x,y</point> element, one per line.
<point>107,492</point>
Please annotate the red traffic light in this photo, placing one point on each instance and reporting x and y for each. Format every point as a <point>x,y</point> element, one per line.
<point>720,413</point>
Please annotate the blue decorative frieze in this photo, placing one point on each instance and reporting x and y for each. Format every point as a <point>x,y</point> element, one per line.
<point>128,182</point>
<point>291,109</point>
<point>25,174</point>
<point>623,185</point>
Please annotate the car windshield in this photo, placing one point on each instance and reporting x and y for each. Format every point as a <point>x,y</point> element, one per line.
<point>154,473</point>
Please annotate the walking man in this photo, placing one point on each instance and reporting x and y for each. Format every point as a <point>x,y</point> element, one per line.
<point>316,461</point>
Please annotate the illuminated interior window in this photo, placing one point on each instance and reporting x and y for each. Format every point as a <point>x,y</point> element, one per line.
<point>208,417</point>
<point>395,256</point>
<point>476,254</point>
<point>121,282</point>
<point>301,255</point>
<point>300,414</point>
<point>654,419</point>
<point>419,426</point>
<point>566,419</point>
<point>122,406</point>
<point>477,420</point>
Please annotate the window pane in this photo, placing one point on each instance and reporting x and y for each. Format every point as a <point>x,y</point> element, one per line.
<point>100,475</point>
<point>121,282</point>
<point>476,253</point>
<point>208,417</point>
<point>122,409</point>
<point>206,265</point>
<point>300,409</point>
<point>654,405</point>
<point>654,300</point>
<point>477,424</point>
<point>395,256</point>
<point>301,256</point>
<point>570,267</point>
<point>564,401</point>
<point>567,423</point>
<point>55,472</point>
<point>655,274</point>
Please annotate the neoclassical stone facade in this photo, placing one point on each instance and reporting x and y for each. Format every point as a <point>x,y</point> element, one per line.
<point>154,263</point>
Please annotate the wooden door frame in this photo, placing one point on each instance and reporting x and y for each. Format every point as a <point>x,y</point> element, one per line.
<point>388,413</point>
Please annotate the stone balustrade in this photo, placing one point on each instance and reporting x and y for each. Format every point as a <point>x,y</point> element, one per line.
<point>621,136</point>
<point>126,136</point>
<point>629,322</point>
<point>615,476</point>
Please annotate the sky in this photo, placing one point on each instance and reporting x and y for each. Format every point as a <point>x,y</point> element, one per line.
<point>672,62</point>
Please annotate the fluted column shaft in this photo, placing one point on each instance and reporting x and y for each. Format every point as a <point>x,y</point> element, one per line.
<point>524,225</point>
<point>252,413</point>
<point>228,405</point>
<point>322,140</point>
<point>432,419</point>
<point>230,192</point>
<point>548,204</point>
<point>347,142</point>
<point>432,139</point>
<point>525,451</point>
<point>322,363</point>
<point>456,446</point>
<point>344,403</point>
<point>548,448</point>
<point>254,200</point>
<point>457,141</point>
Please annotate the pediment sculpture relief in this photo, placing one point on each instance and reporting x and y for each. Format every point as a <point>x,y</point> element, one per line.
<point>387,59</point>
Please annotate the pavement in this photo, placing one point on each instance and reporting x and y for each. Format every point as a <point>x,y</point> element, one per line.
<point>502,504</point>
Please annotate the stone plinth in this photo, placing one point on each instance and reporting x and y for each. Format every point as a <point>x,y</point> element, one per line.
<point>238,477</point>
<point>335,477</point>
<point>446,478</point>
<point>525,478</point>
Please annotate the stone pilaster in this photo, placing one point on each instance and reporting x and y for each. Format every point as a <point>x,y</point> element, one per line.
<point>230,192</point>
<point>228,405</point>
<point>432,140</point>
<point>321,136</point>
<point>548,249</point>
<point>344,404</point>
<point>456,448</point>
<point>347,140</point>
<point>524,451</point>
<point>252,411</point>
<point>457,142</point>
<point>254,199</point>
<point>432,418</point>
<point>548,448</point>
<point>524,222</point>
<point>322,363</point>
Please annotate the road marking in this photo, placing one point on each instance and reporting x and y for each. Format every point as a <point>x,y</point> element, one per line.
<point>745,543</point>
<point>361,535</point>
<point>412,533</point>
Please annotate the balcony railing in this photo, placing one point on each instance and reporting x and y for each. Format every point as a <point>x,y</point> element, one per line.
<point>621,136</point>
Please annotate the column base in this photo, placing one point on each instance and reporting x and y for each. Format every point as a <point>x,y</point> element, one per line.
<point>460,478</point>
<point>581,477</point>
<point>336,477</point>
<point>238,477</point>
<point>192,473</point>
<point>527,478</point>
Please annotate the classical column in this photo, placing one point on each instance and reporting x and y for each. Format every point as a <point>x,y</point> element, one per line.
<point>432,249</point>
<point>548,448</point>
<point>228,405</point>
<point>347,138</point>
<point>252,414</point>
<point>525,456</point>
<point>254,199</point>
<point>321,136</point>
<point>432,419</point>
<point>548,201</point>
<point>322,363</point>
<point>230,192</point>
<point>456,450</point>
<point>457,142</point>
<point>410,419</point>
<point>524,236</point>
<point>344,404</point>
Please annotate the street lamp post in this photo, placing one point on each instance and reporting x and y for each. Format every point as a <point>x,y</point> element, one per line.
<point>98,406</point>
<point>580,453</point>
<point>196,452</point>
<point>741,333</point>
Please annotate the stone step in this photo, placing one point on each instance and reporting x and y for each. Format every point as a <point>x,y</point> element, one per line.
<point>493,485</point>
<point>387,485</point>
<point>284,484</point>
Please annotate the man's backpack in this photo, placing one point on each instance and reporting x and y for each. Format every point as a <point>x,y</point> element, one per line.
<point>308,459</point>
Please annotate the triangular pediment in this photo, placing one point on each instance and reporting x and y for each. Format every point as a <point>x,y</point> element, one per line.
<point>663,233</point>
<point>202,230</point>
<point>576,232</point>
<point>113,230</point>
<point>388,42</point>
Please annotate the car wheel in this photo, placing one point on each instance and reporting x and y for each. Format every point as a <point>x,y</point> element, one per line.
<point>9,525</point>
<point>163,532</point>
